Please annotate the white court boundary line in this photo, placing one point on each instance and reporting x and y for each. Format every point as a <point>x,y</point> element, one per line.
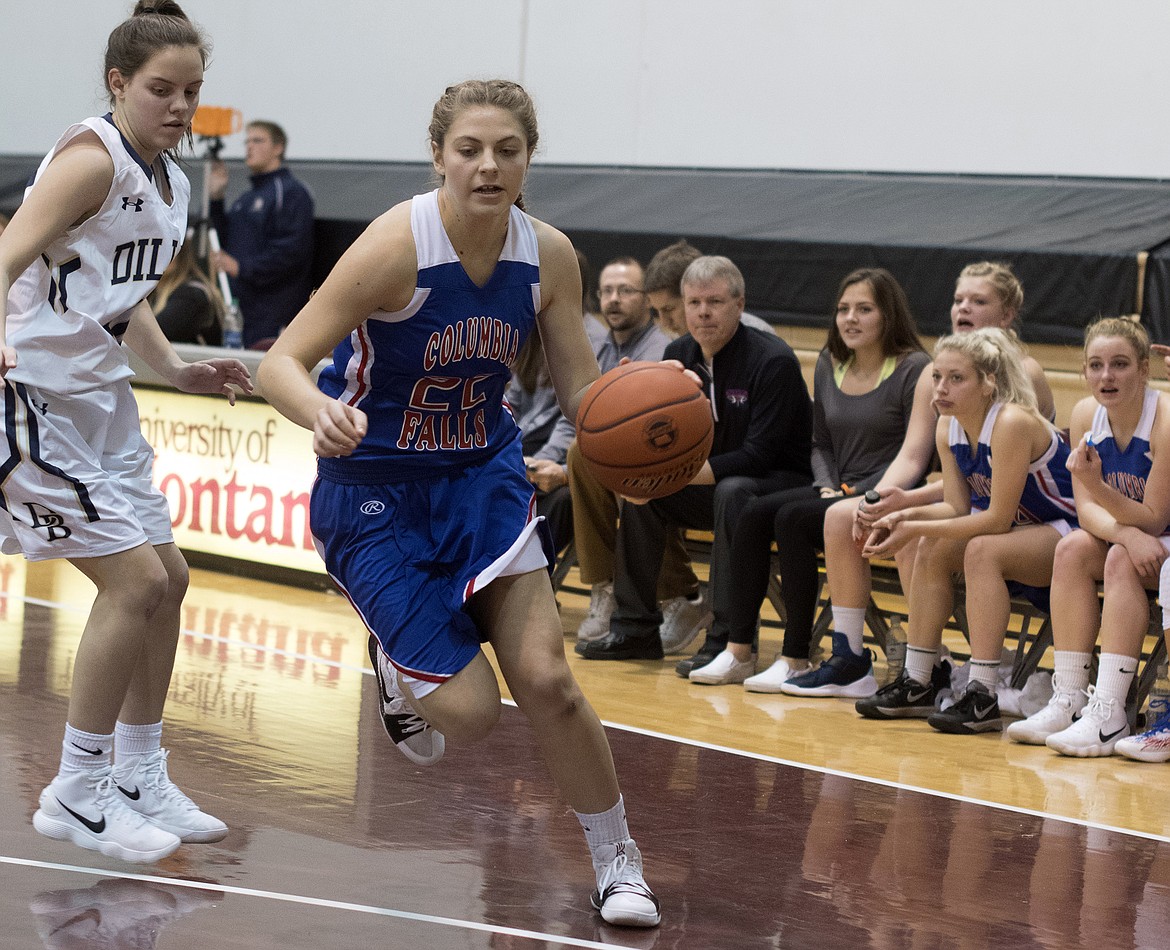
<point>318,902</point>
<point>681,740</point>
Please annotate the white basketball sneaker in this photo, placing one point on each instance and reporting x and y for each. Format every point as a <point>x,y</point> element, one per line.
<point>595,624</point>
<point>147,789</point>
<point>1102,723</point>
<point>86,808</point>
<point>415,737</point>
<point>623,897</point>
<point>1063,709</point>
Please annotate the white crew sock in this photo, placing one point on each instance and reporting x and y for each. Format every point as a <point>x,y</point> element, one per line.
<point>920,663</point>
<point>987,673</point>
<point>850,621</point>
<point>604,831</point>
<point>83,751</point>
<point>1071,670</point>
<point>1115,672</point>
<point>135,740</point>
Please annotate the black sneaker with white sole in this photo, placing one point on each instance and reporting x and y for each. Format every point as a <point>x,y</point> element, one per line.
<point>977,710</point>
<point>904,698</point>
<point>415,737</point>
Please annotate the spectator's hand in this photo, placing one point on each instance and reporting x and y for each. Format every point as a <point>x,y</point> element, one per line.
<point>545,474</point>
<point>223,261</point>
<point>1084,462</point>
<point>338,429</point>
<point>217,181</point>
<point>688,373</point>
<point>215,376</point>
<point>831,493</point>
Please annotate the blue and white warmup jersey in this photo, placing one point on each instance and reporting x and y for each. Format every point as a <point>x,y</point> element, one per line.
<point>1047,495</point>
<point>431,378</point>
<point>68,311</point>
<point>1126,470</point>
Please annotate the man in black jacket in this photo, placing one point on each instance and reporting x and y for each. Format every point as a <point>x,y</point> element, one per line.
<point>762,443</point>
<point>267,236</point>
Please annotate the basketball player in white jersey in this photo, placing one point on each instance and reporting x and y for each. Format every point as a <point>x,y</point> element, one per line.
<point>103,217</point>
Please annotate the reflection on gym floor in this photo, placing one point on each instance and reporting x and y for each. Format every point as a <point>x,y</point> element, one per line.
<point>338,841</point>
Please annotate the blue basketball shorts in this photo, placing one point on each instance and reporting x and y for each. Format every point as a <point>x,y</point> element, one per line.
<point>410,555</point>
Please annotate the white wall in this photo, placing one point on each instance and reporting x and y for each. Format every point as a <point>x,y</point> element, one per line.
<point>1064,87</point>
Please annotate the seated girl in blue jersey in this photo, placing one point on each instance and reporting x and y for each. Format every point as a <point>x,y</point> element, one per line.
<point>987,294</point>
<point>863,397</point>
<point>421,508</point>
<point>1016,513</point>
<point>1121,479</point>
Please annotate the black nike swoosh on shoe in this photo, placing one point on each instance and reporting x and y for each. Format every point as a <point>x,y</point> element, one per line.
<point>1111,736</point>
<point>132,795</point>
<point>84,749</point>
<point>97,827</point>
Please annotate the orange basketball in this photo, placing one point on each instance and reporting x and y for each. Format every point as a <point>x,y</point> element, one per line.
<point>645,429</point>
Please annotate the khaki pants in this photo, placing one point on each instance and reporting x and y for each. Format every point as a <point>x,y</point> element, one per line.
<point>595,518</point>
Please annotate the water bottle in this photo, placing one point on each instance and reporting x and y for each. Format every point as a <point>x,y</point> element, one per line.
<point>895,649</point>
<point>1158,710</point>
<point>233,326</point>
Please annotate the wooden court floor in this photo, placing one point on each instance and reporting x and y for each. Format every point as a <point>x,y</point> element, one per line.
<point>766,822</point>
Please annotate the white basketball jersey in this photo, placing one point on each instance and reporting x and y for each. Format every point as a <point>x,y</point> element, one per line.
<point>67,313</point>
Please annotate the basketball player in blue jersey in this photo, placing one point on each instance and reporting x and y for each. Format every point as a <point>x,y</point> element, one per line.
<point>103,217</point>
<point>421,508</point>
<point>1007,501</point>
<point>1121,479</point>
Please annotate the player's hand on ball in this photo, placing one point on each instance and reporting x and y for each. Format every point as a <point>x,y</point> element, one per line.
<point>635,501</point>
<point>338,429</point>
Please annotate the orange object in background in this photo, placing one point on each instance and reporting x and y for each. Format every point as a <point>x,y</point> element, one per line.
<point>216,121</point>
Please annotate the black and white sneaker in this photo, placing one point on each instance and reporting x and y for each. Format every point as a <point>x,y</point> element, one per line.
<point>904,698</point>
<point>414,736</point>
<point>977,710</point>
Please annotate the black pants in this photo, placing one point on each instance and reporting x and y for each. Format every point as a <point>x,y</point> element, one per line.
<point>641,540</point>
<point>796,520</point>
<point>557,508</point>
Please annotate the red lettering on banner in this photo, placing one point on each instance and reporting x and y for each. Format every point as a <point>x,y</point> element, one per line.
<point>232,510</point>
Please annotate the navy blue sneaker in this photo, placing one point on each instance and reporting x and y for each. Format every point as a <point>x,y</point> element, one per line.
<point>842,674</point>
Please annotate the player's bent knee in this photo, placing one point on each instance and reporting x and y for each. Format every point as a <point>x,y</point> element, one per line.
<point>1119,565</point>
<point>1072,552</point>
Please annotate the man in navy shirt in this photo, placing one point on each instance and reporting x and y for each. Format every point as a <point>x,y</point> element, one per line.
<point>267,236</point>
